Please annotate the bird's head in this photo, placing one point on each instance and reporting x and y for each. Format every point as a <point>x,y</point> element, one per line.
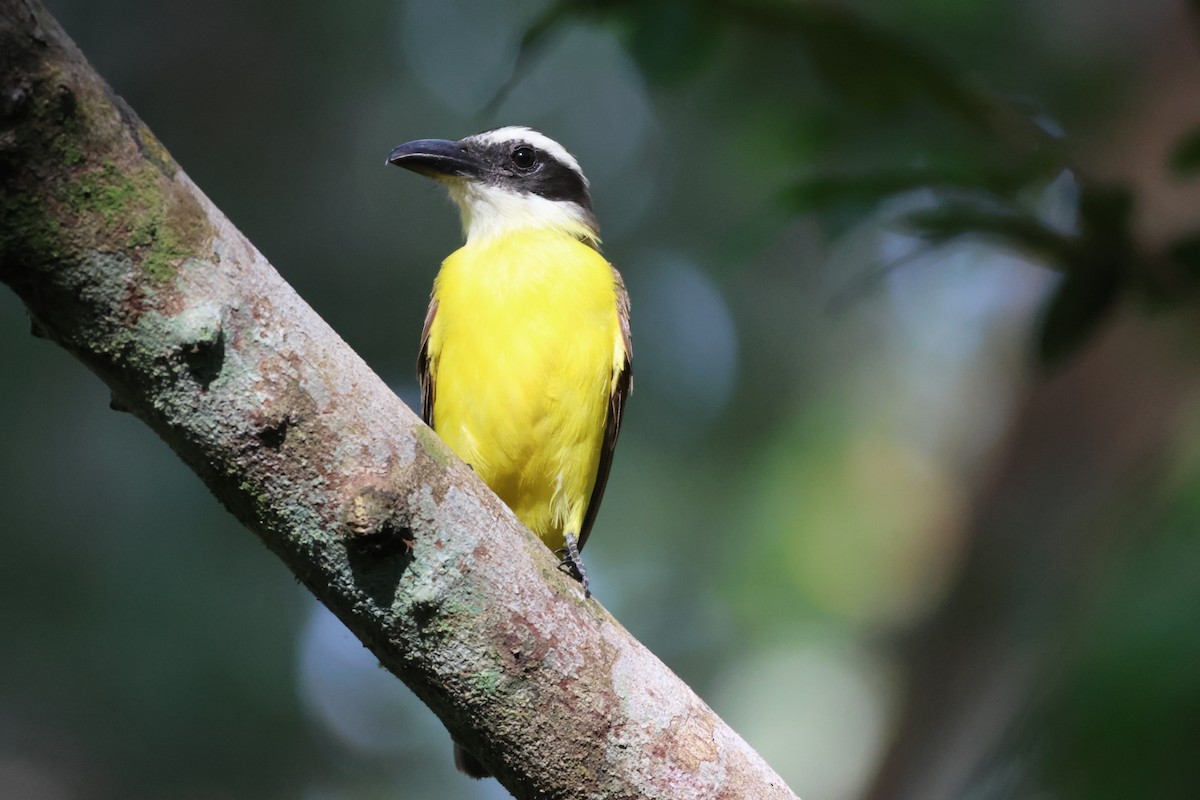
<point>506,179</point>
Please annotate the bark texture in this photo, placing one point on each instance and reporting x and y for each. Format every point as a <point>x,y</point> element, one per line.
<point>123,261</point>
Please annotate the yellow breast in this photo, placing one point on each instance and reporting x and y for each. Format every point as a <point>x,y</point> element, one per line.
<point>522,352</point>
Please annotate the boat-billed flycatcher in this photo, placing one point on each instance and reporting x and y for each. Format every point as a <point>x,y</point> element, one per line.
<point>525,359</point>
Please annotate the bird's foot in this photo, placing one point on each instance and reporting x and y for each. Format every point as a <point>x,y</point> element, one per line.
<point>571,562</point>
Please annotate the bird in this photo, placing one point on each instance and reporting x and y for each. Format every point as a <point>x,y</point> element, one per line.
<point>526,357</point>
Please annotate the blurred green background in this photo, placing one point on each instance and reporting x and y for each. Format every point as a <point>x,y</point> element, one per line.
<point>907,488</point>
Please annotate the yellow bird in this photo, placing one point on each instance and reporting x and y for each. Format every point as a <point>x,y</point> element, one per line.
<point>526,358</point>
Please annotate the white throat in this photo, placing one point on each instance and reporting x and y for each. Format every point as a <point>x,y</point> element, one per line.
<point>490,211</point>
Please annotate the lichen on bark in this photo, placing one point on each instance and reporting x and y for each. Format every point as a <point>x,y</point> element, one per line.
<point>81,174</point>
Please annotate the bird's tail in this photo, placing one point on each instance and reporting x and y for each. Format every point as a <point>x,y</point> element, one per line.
<point>468,764</point>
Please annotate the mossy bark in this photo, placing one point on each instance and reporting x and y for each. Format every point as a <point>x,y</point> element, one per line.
<point>123,261</point>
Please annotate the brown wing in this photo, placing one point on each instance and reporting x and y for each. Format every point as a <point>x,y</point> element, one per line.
<point>424,368</point>
<point>622,387</point>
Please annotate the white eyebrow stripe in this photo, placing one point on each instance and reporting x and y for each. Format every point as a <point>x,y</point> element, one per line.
<point>520,133</point>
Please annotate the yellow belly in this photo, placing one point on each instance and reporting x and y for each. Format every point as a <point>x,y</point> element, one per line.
<point>522,355</point>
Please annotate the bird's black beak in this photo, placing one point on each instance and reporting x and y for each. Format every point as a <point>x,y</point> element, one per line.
<point>436,158</point>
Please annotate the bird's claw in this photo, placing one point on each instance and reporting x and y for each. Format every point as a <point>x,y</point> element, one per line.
<point>571,563</point>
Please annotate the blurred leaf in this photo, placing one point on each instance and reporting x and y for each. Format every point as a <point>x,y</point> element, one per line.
<point>872,69</point>
<point>1185,252</point>
<point>532,42</point>
<point>859,285</point>
<point>671,39</point>
<point>818,192</point>
<point>1014,229</point>
<point>1097,262</point>
<point>1185,156</point>
<point>1097,271</point>
<point>1104,212</point>
<point>822,190</point>
<point>879,69</point>
<point>1083,301</point>
<point>1129,687</point>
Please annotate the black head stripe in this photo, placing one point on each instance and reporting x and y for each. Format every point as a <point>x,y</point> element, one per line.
<point>498,163</point>
<point>550,178</point>
<point>557,181</point>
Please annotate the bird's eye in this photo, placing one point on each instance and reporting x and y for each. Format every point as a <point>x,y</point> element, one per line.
<point>524,157</point>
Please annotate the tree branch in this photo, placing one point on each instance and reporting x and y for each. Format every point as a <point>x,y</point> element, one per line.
<point>123,261</point>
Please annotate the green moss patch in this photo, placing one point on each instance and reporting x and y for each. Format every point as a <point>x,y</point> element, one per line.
<point>81,178</point>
